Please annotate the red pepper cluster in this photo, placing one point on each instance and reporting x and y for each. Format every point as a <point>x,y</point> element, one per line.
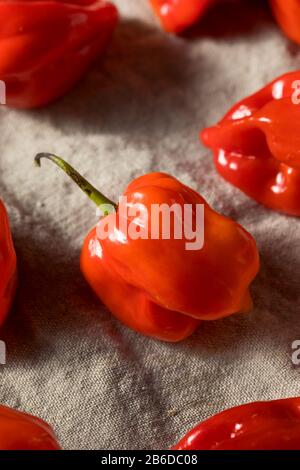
<point>46,46</point>
<point>155,285</point>
<point>178,15</point>
<point>270,425</point>
<point>256,145</point>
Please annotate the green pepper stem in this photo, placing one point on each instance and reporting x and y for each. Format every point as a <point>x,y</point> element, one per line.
<point>93,194</point>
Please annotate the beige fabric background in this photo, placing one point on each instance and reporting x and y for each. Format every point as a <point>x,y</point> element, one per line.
<point>100,385</point>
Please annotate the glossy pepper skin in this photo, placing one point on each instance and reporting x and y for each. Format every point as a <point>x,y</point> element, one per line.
<point>46,46</point>
<point>271,425</point>
<point>157,287</point>
<point>177,15</point>
<point>256,145</point>
<point>21,431</point>
<point>8,265</point>
<point>287,13</point>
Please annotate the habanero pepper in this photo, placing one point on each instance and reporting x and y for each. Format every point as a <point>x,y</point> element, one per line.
<point>256,145</point>
<point>8,266</point>
<point>21,431</point>
<point>177,15</point>
<point>155,286</point>
<point>269,425</point>
<point>287,14</point>
<point>46,46</point>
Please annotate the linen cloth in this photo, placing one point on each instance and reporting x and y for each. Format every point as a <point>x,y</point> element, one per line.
<point>100,385</point>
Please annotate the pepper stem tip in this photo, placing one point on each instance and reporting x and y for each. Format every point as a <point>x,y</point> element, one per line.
<point>96,196</point>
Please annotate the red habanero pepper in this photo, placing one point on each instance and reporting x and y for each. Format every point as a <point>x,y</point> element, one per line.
<point>8,265</point>
<point>256,145</point>
<point>287,13</point>
<point>270,425</point>
<point>21,431</point>
<point>156,286</point>
<point>177,15</point>
<point>46,46</point>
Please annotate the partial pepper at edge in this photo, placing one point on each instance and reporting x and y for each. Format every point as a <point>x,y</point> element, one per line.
<point>21,431</point>
<point>46,46</point>
<point>8,265</point>
<point>287,13</point>
<point>177,15</point>
<point>256,145</point>
<point>269,425</point>
<point>156,286</point>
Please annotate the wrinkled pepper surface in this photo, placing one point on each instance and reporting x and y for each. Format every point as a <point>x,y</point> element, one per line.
<point>21,431</point>
<point>8,265</point>
<point>177,15</point>
<point>156,286</point>
<point>46,46</point>
<point>287,13</point>
<point>271,425</point>
<point>256,145</point>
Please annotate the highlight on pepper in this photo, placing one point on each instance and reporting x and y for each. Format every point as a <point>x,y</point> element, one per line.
<point>265,425</point>
<point>155,286</point>
<point>47,46</point>
<point>256,145</point>
<point>175,16</point>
